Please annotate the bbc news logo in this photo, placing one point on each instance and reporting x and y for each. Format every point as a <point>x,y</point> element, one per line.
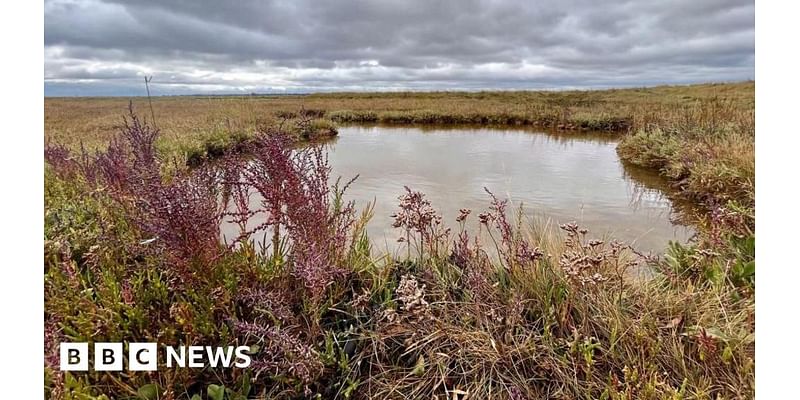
<point>145,357</point>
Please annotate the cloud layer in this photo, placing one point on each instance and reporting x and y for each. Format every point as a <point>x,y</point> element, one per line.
<point>106,47</point>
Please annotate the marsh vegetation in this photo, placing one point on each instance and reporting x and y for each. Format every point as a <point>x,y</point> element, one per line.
<point>483,304</point>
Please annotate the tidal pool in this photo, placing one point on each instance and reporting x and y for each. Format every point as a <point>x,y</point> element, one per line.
<point>556,177</point>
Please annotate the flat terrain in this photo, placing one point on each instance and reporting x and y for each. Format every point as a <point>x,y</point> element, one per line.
<point>93,120</point>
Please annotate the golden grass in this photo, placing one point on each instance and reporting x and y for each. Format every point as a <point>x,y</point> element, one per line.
<point>187,118</point>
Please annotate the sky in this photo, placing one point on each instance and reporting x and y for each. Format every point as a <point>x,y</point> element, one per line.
<point>107,47</point>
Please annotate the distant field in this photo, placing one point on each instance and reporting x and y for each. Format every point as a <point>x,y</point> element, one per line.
<point>189,119</point>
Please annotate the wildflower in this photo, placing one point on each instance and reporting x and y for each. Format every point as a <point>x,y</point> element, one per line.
<point>282,352</point>
<point>60,158</point>
<point>463,214</point>
<point>416,212</point>
<point>361,301</point>
<point>417,216</point>
<point>296,196</point>
<point>461,253</point>
<point>525,253</point>
<point>390,315</point>
<point>515,250</point>
<point>571,227</point>
<point>411,295</point>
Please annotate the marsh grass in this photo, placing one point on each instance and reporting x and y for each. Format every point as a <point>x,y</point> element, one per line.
<point>530,312</point>
<point>707,150</point>
<point>517,310</point>
<point>182,119</point>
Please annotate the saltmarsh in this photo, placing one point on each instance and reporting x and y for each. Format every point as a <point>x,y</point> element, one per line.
<point>132,252</point>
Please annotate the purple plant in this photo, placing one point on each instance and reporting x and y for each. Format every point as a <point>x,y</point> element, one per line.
<point>113,166</point>
<point>60,159</point>
<point>296,196</point>
<point>272,303</point>
<point>178,216</point>
<point>588,262</point>
<point>52,339</point>
<point>462,254</point>
<point>183,217</point>
<point>514,249</point>
<point>419,219</point>
<point>281,353</point>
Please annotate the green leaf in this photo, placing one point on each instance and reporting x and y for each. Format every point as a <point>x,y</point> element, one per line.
<point>727,354</point>
<point>148,392</point>
<point>246,383</point>
<point>749,269</point>
<point>419,368</point>
<point>216,392</point>
<point>351,387</point>
<point>196,397</point>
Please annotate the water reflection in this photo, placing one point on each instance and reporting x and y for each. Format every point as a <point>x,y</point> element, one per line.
<point>560,177</point>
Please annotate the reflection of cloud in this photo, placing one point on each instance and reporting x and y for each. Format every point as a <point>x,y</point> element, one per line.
<point>106,46</point>
<point>453,166</point>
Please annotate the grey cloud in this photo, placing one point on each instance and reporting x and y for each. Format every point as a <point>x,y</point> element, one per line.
<point>106,47</point>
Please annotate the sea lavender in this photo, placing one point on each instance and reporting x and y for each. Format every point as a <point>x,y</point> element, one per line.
<point>296,196</point>
<point>419,219</point>
<point>281,353</point>
<point>179,217</point>
<point>60,159</point>
<point>514,249</point>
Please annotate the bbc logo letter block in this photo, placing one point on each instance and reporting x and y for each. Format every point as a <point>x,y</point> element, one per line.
<point>145,357</point>
<point>109,356</point>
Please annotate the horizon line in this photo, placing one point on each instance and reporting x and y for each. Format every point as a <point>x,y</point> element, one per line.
<point>408,90</point>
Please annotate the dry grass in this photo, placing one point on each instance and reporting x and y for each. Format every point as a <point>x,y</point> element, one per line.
<point>552,316</point>
<point>707,149</point>
<point>92,120</point>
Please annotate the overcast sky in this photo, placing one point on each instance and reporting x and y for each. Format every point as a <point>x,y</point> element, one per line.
<point>105,47</point>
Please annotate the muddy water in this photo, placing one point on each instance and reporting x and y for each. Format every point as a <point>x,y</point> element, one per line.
<point>556,177</point>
